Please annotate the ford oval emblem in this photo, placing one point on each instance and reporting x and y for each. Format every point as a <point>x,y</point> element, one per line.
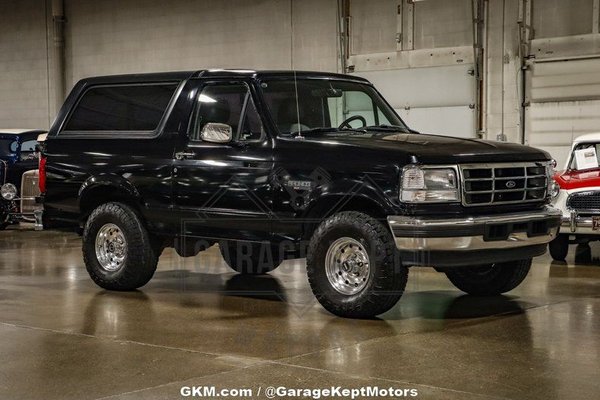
<point>511,184</point>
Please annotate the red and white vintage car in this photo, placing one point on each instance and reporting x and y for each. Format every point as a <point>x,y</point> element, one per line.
<point>579,196</point>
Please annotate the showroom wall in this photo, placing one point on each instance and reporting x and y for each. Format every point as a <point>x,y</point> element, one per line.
<point>562,82</point>
<point>124,36</point>
<point>23,64</point>
<point>114,36</point>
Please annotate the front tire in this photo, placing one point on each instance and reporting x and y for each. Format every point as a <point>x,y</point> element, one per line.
<point>353,268</point>
<point>118,251</point>
<point>489,279</point>
<point>559,247</point>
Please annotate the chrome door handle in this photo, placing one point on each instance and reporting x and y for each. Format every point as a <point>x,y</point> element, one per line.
<point>184,154</point>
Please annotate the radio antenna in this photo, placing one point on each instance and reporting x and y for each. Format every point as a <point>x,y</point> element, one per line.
<point>299,136</point>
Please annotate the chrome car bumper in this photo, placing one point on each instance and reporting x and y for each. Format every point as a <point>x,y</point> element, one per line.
<point>476,239</point>
<point>39,225</point>
<point>578,225</point>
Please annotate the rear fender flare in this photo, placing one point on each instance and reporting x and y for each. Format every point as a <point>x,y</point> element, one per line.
<point>120,187</point>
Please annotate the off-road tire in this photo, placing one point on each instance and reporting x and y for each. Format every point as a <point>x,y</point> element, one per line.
<point>142,249</point>
<point>387,276</point>
<point>489,279</point>
<point>559,247</point>
<point>250,258</point>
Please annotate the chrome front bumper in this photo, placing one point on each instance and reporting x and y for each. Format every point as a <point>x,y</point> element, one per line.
<point>468,234</point>
<point>580,225</point>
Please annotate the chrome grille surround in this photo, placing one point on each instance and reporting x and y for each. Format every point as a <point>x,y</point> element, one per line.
<point>29,191</point>
<point>588,201</point>
<point>504,183</point>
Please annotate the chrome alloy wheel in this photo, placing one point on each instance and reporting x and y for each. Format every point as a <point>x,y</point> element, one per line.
<point>347,266</point>
<point>111,247</point>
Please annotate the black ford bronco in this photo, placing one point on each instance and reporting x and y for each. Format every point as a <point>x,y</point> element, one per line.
<point>275,165</point>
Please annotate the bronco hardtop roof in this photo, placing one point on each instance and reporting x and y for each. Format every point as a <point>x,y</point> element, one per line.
<point>214,73</point>
<point>16,132</point>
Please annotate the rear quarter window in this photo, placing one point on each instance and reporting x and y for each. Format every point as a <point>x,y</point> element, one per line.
<point>131,108</point>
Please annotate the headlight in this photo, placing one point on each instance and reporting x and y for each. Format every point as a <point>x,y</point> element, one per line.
<point>553,187</point>
<point>8,191</point>
<point>429,185</point>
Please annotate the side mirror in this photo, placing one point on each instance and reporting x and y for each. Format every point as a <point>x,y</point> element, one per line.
<point>214,132</point>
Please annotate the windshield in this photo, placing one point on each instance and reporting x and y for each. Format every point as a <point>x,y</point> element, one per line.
<point>585,156</point>
<point>8,147</point>
<point>327,106</point>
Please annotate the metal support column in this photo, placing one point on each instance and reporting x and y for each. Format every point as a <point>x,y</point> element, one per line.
<point>58,52</point>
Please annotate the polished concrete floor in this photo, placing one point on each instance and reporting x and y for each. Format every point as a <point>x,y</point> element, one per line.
<point>197,324</point>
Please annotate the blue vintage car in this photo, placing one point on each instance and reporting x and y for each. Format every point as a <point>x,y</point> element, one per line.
<point>18,175</point>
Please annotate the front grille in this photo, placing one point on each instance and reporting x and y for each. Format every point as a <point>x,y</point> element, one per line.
<point>584,201</point>
<point>29,191</point>
<point>485,184</point>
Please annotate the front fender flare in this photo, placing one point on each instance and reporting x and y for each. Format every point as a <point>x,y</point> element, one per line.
<point>347,191</point>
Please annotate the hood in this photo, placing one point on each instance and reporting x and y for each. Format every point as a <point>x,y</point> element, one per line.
<point>436,149</point>
<point>572,179</point>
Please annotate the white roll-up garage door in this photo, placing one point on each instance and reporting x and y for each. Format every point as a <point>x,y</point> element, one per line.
<point>564,103</point>
<point>436,100</point>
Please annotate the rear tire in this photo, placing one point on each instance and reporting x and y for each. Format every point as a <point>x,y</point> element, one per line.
<point>559,247</point>
<point>251,258</point>
<point>118,251</point>
<point>353,266</point>
<point>489,279</point>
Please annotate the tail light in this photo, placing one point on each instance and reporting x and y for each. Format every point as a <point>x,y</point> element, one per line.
<point>42,174</point>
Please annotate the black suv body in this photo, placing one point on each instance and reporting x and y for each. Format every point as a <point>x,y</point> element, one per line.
<point>283,164</point>
<point>18,175</point>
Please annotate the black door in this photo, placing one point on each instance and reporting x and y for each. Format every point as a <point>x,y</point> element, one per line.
<point>223,190</point>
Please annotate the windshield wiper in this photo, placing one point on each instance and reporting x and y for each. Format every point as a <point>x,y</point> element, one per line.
<point>387,128</point>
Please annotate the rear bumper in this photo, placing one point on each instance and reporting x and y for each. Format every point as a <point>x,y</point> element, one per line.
<point>474,240</point>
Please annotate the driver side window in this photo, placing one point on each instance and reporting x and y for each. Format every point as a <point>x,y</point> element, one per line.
<point>229,104</point>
